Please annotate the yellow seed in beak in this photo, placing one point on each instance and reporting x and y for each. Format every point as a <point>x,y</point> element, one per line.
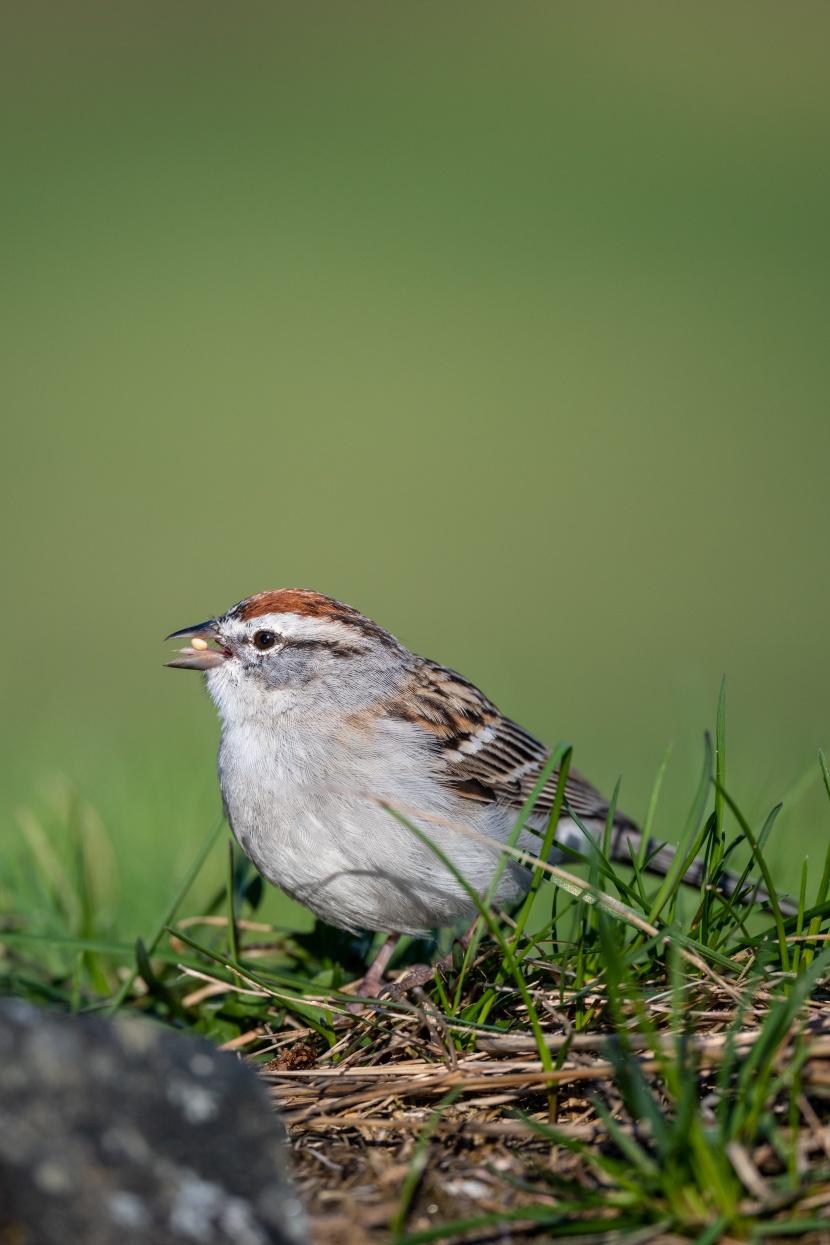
<point>198,643</point>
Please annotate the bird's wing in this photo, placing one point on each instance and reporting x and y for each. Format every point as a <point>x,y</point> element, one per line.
<point>482,755</point>
<point>485,757</point>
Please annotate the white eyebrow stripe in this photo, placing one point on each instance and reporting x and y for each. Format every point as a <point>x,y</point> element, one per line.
<point>302,627</point>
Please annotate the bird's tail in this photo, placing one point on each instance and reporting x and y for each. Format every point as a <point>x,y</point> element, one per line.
<point>626,842</point>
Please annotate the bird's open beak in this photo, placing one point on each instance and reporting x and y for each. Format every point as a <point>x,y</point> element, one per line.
<point>200,656</point>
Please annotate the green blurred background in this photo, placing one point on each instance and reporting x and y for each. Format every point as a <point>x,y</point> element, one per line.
<point>507,324</point>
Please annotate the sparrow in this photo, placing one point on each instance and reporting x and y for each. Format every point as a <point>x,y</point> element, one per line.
<point>328,722</point>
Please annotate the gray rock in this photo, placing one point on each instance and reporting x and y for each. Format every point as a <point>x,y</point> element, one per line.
<point>117,1131</point>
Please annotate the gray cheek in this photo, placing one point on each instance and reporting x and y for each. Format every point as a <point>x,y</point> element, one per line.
<point>289,667</point>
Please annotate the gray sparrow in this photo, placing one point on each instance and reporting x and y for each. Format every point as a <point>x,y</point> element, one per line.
<point>327,719</point>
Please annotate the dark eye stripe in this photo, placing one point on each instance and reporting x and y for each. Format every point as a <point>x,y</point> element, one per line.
<point>337,647</point>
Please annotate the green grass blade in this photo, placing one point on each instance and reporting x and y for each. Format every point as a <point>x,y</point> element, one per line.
<point>550,765</point>
<point>609,819</point>
<point>171,910</point>
<point>720,758</point>
<point>651,811</point>
<point>675,875</point>
<point>824,884</point>
<point>547,844</point>
<point>767,876</point>
<point>99,945</point>
<point>233,942</point>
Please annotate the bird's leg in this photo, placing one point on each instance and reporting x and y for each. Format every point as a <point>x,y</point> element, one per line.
<point>419,974</point>
<point>372,983</point>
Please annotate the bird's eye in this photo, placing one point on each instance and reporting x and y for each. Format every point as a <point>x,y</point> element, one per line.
<point>264,640</point>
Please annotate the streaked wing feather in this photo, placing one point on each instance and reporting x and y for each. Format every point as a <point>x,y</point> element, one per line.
<point>485,756</point>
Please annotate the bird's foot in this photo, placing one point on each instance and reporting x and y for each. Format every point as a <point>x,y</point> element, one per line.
<point>420,974</point>
<point>417,975</point>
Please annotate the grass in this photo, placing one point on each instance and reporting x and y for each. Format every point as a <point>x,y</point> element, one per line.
<point>644,1063</point>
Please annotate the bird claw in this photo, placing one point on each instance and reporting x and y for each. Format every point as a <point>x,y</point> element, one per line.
<point>418,975</point>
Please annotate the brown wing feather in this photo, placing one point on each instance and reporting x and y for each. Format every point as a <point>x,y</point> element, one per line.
<point>485,756</point>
